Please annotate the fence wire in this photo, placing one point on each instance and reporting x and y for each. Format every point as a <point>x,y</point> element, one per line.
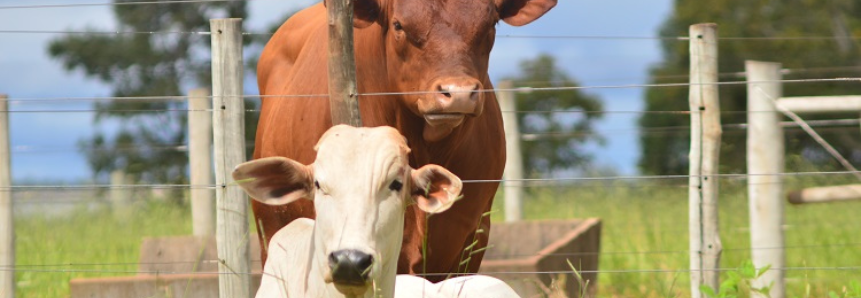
<point>78,5</point>
<point>41,268</point>
<point>610,271</point>
<point>502,36</point>
<point>371,94</point>
<point>526,180</point>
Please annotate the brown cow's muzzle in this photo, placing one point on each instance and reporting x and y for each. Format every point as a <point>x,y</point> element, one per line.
<point>448,104</point>
<point>450,101</point>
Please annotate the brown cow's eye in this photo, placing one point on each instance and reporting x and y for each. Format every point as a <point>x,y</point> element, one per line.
<point>396,185</point>
<point>397,26</point>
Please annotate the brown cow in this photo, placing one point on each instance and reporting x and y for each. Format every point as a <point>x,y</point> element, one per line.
<point>437,51</point>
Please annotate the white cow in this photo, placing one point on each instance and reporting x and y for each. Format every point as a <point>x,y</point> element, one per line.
<point>472,286</point>
<point>361,183</point>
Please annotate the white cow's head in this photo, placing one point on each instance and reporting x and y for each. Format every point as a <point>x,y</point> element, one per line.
<point>361,183</point>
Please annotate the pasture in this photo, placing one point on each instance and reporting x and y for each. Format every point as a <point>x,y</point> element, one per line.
<point>644,242</point>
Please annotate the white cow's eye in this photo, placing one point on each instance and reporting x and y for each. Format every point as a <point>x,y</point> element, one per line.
<point>317,184</point>
<point>396,185</point>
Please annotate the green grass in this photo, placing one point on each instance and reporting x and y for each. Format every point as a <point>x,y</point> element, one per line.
<point>88,243</point>
<point>644,228</point>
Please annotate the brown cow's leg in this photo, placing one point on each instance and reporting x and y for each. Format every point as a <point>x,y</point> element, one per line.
<point>273,218</point>
<point>410,258</point>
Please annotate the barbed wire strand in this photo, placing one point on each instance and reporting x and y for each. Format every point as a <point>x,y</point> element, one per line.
<point>504,36</point>
<point>851,123</point>
<point>606,271</point>
<point>489,255</point>
<point>527,180</point>
<point>519,89</point>
<point>77,5</point>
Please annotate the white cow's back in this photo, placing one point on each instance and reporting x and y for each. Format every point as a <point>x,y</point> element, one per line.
<point>473,286</point>
<point>282,274</point>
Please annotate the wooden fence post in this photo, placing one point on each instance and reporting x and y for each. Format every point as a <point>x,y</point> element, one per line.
<point>229,131</point>
<point>765,163</point>
<point>7,224</point>
<point>120,194</point>
<point>705,244</point>
<point>343,93</point>
<point>513,158</point>
<point>200,162</point>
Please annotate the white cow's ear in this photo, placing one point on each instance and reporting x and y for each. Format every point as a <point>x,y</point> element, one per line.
<point>275,180</point>
<point>434,188</point>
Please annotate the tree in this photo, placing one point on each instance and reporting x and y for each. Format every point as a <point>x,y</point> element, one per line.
<point>560,120</point>
<point>147,65</point>
<point>838,55</point>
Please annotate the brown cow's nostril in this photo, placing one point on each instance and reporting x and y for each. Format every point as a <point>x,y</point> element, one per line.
<point>443,91</point>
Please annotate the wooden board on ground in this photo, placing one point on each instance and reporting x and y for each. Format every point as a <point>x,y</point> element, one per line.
<point>531,256</point>
<point>184,266</point>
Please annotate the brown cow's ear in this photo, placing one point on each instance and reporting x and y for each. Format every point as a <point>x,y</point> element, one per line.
<point>275,180</point>
<point>434,188</point>
<point>365,12</point>
<point>522,12</point>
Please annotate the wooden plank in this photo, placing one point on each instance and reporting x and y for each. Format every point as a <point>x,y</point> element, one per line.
<point>343,93</point>
<point>200,162</point>
<point>7,224</point>
<point>825,194</point>
<point>705,244</point>
<point>820,104</point>
<point>765,161</point>
<point>229,133</point>
<point>513,158</point>
<point>522,250</point>
<point>198,285</point>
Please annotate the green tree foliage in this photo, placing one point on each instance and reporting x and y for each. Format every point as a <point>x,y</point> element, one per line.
<point>789,23</point>
<point>161,64</point>
<point>557,136</point>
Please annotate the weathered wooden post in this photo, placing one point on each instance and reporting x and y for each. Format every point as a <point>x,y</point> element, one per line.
<point>513,159</point>
<point>120,194</point>
<point>764,165</point>
<point>229,131</point>
<point>825,194</point>
<point>200,162</point>
<point>705,244</point>
<point>343,92</point>
<point>7,224</point>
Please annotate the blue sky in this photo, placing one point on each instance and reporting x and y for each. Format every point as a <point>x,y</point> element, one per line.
<point>44,143</point>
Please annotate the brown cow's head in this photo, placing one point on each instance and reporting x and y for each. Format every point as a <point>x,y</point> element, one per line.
<point>439,50</point>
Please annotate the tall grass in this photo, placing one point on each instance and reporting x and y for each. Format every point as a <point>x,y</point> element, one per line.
<point>50,251</point>
<point>645,227</point>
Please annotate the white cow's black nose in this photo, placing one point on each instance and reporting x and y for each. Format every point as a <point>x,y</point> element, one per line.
<point>350,267</point>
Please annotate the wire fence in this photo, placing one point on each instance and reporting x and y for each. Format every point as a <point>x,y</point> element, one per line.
<point>822,125</point>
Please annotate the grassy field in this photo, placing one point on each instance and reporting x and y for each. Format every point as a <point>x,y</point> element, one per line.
<point>644,228</point>
<point>88,243</point>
